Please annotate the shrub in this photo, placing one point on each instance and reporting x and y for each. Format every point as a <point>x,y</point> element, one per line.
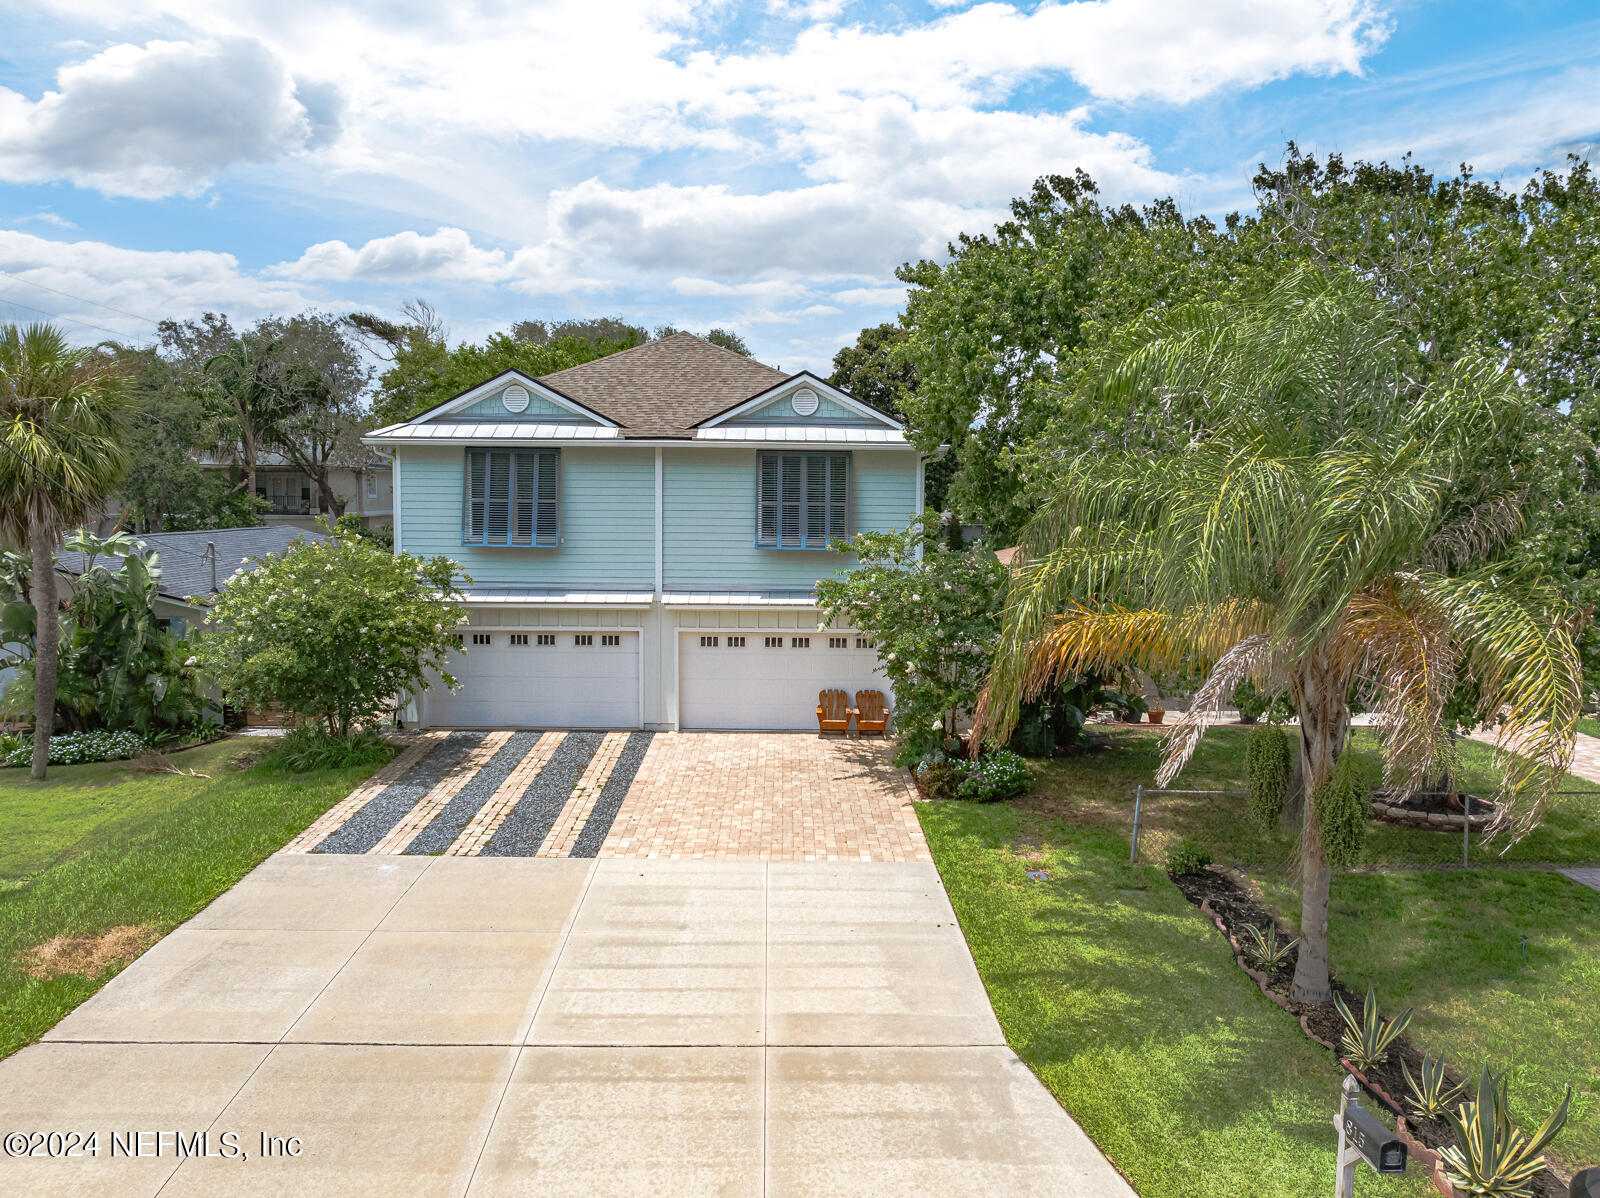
<point>1186,857</point>
<point>308,748</point>
<point>1343,803</point>
<point>1269,768</point>
<point>76,748</point>
<point>1250,701</point>
<point>939,775</point>
<point>997,775</point>
<point>336,630</point>
<point>1366,1041</point>
<point>1431,1095</point>
<point>1264,949</point>
<point>1494,1159</point>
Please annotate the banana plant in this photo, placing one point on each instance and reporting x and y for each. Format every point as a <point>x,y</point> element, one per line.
<point>1431,1094</point>
<point>1366,1040</point>
<point>1494,1159</point>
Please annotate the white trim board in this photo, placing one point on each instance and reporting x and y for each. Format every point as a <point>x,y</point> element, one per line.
<point>793,383</point>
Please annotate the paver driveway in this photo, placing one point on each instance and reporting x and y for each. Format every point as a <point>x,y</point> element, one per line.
<point>449,1025</point>
<point>702,795</point>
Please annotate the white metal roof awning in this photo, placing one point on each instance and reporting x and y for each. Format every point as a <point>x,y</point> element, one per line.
<point>534,597</point>
<point>803,599</point>
<point>788,434</point>
<point>437,433</point>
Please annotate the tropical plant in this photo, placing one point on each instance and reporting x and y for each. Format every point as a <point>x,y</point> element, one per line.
<point>933,612</point>
<point>1494,1159</point>
<point>997,775</point>
<point>61,455</point>
<point>1342,802</point>
<point>119,666</point>
<point>1268,771</point>
<point>310,747</point>
<point>1329,525</point>
<point>1432,1093</point>
<point>1265,949</point>
<point>1365,1043</point>
<point>336,630</point>
<point>244,401</point>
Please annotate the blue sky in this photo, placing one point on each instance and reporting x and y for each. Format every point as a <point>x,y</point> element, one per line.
<point>763,166</point>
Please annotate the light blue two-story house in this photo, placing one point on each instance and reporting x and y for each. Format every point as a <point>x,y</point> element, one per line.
<point>644,533</point>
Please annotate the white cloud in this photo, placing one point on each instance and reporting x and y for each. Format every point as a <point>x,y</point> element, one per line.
<point>871,296</point>
<point>761,288</point>
<point>151,120</point>
<point>145,285</point>
<point>445,254</point>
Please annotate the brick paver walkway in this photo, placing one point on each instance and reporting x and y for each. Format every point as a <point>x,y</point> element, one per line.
<point>333,819</point>
<point>768,796</point>
<point>493,813</point>
<point>1585,752</point>
<point>563,836</point>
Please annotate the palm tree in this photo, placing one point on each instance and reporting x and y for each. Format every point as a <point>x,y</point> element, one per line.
<point>244,401</point>
<point>1328,519</point>
<point>61,454</point>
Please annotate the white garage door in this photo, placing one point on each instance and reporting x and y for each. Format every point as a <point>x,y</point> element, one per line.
<point>767,679</point>
<point>533,679</point>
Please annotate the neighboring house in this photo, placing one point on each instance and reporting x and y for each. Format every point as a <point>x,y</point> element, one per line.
<point>197,565</point>
<point>194,566</point>
<point>644,533</point>
<point>366,490</point>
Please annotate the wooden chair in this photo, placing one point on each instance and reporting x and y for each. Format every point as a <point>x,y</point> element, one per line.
<point>833,712</point>
<point>871,713</point>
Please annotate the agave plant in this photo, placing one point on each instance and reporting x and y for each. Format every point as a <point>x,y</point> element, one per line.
<point>1366,1040</point>
<point>1431,1094</point>
<point>1265,949</point>
<point>1494,1159</point>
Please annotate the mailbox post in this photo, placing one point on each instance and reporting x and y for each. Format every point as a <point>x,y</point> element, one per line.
<point>1362,1137</point>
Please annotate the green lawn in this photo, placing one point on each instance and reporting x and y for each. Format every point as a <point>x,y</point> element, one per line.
<point>1589,725</point>
<point>1099,789</point>
<point>1448,944</point>
<point>1128,1005</point>
<point>102,846</point>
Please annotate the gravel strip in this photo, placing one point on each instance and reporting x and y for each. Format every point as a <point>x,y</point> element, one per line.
<point>369,825</point>
<point>535,814</point>
<point>610,800</point>
<point>442,831</point>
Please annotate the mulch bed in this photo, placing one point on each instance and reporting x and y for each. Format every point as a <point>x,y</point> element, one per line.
<point>1231,906</point>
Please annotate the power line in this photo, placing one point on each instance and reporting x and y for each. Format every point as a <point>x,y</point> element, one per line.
<point>81,299</point>
<point>57,316</point>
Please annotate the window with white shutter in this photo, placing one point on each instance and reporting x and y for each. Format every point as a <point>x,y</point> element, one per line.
<point>512,497</point>
<point>802,500</point>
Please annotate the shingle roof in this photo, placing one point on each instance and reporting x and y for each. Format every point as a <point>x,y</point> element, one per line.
<point>185,568</point>
<point>664,388</point>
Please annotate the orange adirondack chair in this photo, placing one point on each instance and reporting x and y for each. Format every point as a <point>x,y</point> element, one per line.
<point>871,713</point>
<point>833,712</point>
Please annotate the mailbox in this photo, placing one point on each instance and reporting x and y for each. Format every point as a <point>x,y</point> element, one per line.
<point>1366,1133</point>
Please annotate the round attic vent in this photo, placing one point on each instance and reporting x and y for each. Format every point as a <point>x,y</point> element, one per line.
<point>515,398</point>
<point>804,401</point>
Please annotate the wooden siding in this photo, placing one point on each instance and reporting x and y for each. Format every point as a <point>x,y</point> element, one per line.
<point>607,520</point>
<point>779,412</point>
<point>709,521</point>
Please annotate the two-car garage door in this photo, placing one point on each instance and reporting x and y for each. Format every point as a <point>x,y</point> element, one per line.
<point>768,679</point>
<point>533,679</point>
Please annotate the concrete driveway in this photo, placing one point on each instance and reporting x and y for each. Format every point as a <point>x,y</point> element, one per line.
<point>445,1025</point>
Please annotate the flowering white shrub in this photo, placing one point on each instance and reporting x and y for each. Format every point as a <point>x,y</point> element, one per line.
<point>76,748</point>
<point>339,630</point>
<point>994,776</point>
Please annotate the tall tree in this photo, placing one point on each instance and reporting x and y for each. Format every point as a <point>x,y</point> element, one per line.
<point>242,389</point>
<point>61,455</point>
<point>322,381</point>
<point>592,328</point>
<point>1015,309</point>
<point>875,372</point>
<point>1329,520</point>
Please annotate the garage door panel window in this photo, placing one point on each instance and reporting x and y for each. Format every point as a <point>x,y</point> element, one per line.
<point>802,500</point>
<point>512,497</point>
